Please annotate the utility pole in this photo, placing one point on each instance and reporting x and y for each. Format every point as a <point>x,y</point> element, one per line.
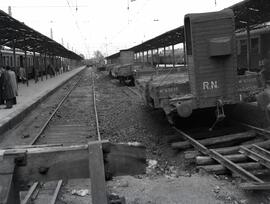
<point>9,11</point>
<point>51,30</point>
<point>51,34</point>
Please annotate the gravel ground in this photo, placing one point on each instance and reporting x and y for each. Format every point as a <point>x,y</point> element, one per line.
<point>124,118</point>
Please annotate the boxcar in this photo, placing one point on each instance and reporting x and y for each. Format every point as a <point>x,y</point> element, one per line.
<point>210,78</point>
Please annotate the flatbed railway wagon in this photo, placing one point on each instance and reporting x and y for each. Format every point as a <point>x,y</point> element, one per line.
<point>210,78</point>
<point>122,69</point>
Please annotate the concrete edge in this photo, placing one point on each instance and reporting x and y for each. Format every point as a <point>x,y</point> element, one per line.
<point>24,112</point>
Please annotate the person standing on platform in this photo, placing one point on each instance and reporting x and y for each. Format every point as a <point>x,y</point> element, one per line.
<point>10,87</point>
<point>2,101</point>
<point>22,74</point>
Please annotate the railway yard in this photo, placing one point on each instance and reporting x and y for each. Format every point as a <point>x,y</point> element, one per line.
<point>171,173</point>
<point>143,125</point>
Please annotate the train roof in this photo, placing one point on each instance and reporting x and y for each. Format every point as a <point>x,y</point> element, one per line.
<point>14,33</point>
<point>199,17</point>
<point>253,12</point>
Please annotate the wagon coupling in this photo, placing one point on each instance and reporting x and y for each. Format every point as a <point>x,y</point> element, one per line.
<point>219,113</point>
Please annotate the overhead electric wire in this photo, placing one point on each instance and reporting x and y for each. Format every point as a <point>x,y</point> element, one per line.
<point>79,30</point>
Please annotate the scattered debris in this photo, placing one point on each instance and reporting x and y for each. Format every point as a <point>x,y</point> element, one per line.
<point>216,189</point>
<point>123,184</point>
<point>243,201</point>
<point>152,164</point>
<point>81,192</point>
<point>25,135</point>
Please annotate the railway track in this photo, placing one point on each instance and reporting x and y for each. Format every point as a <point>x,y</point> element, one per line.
<point>71,122</point>
<point>244,154</point>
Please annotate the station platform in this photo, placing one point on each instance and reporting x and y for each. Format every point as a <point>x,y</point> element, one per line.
<point>30,96</point>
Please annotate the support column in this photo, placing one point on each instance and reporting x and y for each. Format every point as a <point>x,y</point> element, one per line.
<point>26,67</point>
<point>157,58</point>
<point>1,56</point>
<point>164,56</point>
<point>248,48</point>
<point>40,66</point>
<point>45,64</point>
<point>34,67</point>
<point>185,56</point>
<point>152,57</point>
<point>143,59</point>
<point>173,56</point>
<point>147,56</point>
<point>14,55</point>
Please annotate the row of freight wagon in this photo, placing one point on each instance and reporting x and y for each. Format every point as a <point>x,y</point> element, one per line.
<point>209,80</point>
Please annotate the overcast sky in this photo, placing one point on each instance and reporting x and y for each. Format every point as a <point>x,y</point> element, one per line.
<point>106,25</point>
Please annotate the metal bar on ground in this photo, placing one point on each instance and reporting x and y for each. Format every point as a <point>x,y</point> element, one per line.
<point>56,192</point>
<point>95,107</point>
<point>255,156</point>
<point>221,159</point>
<point>51,116</point>
<point>261,131</point>
<point>28,197</point>
<point>261,150</point>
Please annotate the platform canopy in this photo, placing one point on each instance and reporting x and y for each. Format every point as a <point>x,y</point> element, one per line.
<point>113,56</point>
<point>14,33</point>
<point>252,12</point>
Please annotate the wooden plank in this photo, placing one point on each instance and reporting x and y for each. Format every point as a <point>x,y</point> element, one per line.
<point>206,160</point>
<point>216,140</point>
<point>255,156</point>
<point>220,169</point>
<point>68,162</point>
<point>255,186</point>
<point>9,192</point>
<point>97,174</point>
<point>221,159</point>
<point>27,198</point>
<point>56,192</point>
<point>230,150</point>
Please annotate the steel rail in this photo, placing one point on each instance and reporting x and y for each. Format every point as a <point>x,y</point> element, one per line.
<point>220,158</point>
<point>54,112</point>
<point>34,186</point>
<point>95,106</point>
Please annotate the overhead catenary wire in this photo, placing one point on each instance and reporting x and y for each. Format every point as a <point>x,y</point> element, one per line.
<point>78,27</point>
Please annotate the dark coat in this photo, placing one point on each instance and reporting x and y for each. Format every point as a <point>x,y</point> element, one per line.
<point>8,91</point>
<point>1,89</point>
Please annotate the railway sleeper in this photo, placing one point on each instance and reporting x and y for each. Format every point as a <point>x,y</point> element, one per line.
<point>94,158</point>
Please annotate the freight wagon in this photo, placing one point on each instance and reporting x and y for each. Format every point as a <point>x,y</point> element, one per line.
<point>259,53</point>
<point>210,78</point>
<point>121,66</point>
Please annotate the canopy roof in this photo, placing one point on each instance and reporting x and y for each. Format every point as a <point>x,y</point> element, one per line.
<point>252,12</point>
<point>14,33</point>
